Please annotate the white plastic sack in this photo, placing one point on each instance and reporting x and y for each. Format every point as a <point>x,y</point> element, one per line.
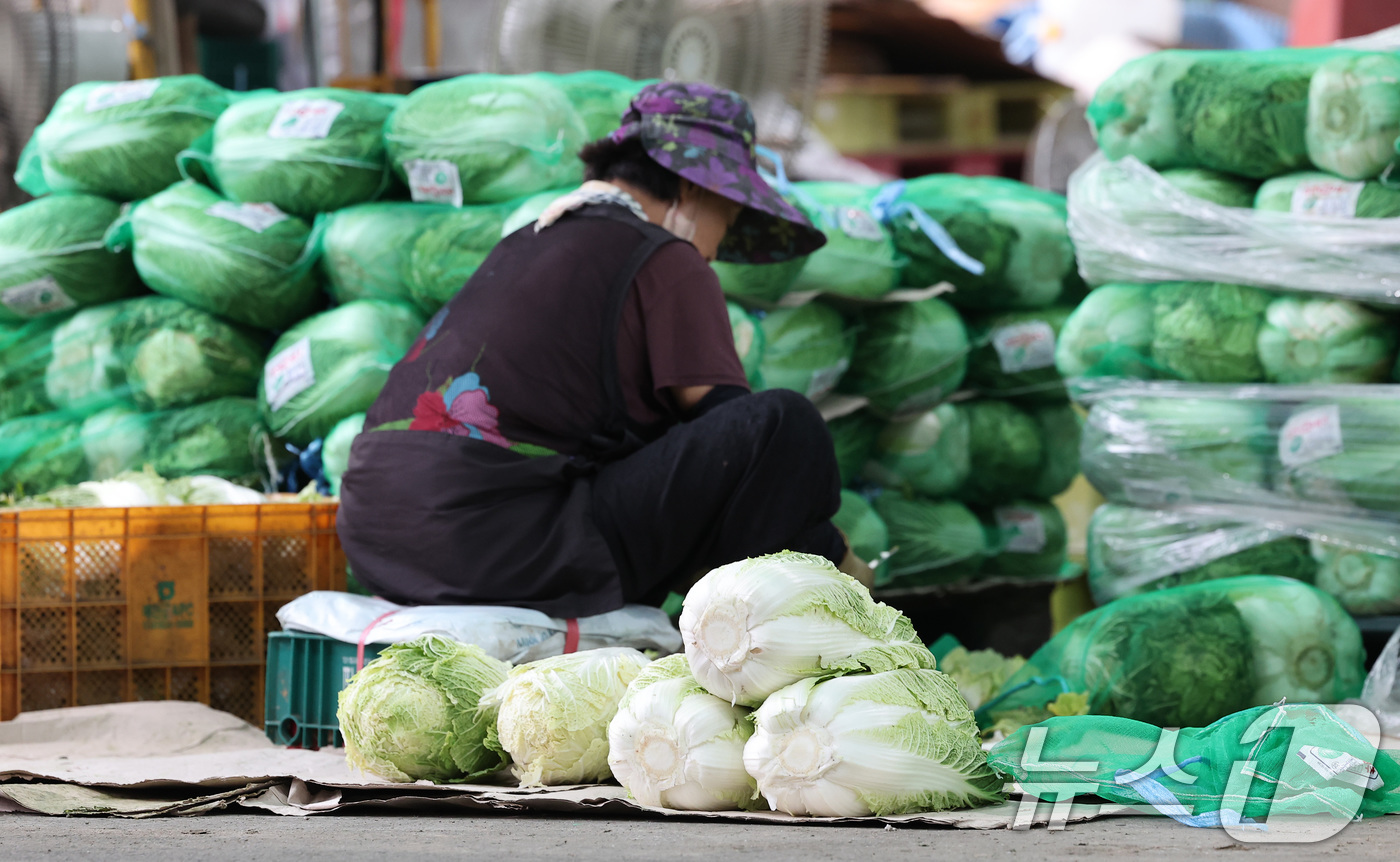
<point>515,635</point>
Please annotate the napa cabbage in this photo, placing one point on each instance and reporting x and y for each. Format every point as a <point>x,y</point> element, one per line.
<point>865,531</point>
<point>808,349</point>
<point>1325,341</point>
<point>335,452</point>
<point>366,249</point>
<point>1354,114</point>
<point>908,357</point>
<point>749,342</point>
<point>52,257</point>
<point>933,542</point>
<point>1014,355</point>
<point>1364,582</point>
<point>1109,334</point>
<point>853,437</point>
<point>448,249</point>
<point>929,454</point>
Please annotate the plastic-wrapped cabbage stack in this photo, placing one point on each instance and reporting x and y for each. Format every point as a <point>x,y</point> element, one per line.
<point>251,263</point>
<point>1309,193</point>
<point>304,152</point>
<point>1187,656</point>
<point>333,365</point>
<point>1016,233</point>
<point>937,542</point>
<point>1134,550</point>
<point>1242,112</point>
<point>1014,355</point>
<point>366,249</point>
<point>119,140</point>
<point>448,249</point>
<point>1354,114</point>
<point>1342,452</point>
<point>1149,450</point>
<point>52,257</point>
<point>908,357</point>
<point>485,139</point>
<point>808,349</point>
<point>859,259</point>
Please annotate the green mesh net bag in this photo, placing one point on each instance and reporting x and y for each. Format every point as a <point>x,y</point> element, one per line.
<point>1061,431</point>
<point>448,250</point>
<point>1241,112</point>
<point>1310,193</point>
<point>853,436</point>
<point>52,257</point>
<point>1134,550</point>
<point>24,356</point>
<point>1109,334</point>
<point>41,452</point>
<point>759,284</point>
<point>224,438</point>
<point>335,453</point>
<point>1218,188</point>
<point>1354,114</point>
<point>365,249</point>
<point>908,357</point>
<point>933,542</point>
<point>1027,539</point>
<point>859,259</point>
<point>1014,235</point>
<point>1293,769</point>
<point>250,263</point>
<point>1162,451</point>
<point>927,454</point>
<point>1005,450</point>
<point>867,534</point>
<point>485,139</point>
<point>119,140</point>
<point>153,351</point>
<point>333,365</point>
<point>808,349</point>
<point>1325,341</point>
<point>304,152</point>
<point>600,97</point>
<point>749,342</point>
<point>1187,656</point>
<point>1014,355</point>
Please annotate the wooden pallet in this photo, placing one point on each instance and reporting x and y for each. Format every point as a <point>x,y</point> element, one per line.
<point>891,113</point>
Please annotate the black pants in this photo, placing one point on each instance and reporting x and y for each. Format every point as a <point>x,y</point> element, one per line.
<point>752,476</point>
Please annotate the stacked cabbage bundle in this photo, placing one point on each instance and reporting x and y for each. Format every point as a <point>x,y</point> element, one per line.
<point>246,210</point>
<point>796,692</point>
<point>1242,330</point>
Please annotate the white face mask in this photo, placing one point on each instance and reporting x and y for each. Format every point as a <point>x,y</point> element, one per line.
<point>678,223</point>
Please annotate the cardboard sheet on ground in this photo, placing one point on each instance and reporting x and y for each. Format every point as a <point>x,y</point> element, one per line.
<point>167,759</point>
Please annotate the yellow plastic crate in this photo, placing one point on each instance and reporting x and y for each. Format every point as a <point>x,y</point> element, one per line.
<point>111,605</point>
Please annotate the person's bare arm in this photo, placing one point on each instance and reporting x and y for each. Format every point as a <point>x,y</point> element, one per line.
<point>689,396</point>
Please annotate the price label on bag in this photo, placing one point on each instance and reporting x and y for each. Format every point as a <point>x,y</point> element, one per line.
<point>1333,198</point>
<point>434,181</point>
<point>122,93</point>
<point>33,298</point>
<point>305,118</point>
<point>255,217</point>
<point>1310,435</point>
<point>857,223</point>
<point>1025,346</point>
<point>1022,530</point>
<point>288,374</point>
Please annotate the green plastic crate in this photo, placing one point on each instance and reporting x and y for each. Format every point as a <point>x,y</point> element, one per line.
<point>305,675</point>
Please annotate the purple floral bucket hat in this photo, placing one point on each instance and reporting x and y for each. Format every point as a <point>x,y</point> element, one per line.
<point>706,135</point>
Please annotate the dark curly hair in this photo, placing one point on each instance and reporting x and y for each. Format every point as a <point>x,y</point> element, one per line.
<point>628,161</point>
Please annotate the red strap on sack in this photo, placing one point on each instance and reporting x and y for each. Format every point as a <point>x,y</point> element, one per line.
<point>570,636</point>
<point>364,635</point>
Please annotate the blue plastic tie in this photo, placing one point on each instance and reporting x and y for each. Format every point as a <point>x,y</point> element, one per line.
<point>887,206</point>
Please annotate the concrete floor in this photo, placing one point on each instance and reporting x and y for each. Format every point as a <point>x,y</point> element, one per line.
<point>247,837</point>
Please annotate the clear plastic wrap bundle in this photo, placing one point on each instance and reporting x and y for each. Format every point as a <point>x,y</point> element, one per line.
<point>52,257</point>
<point>1327,449</point>
<point>1133,550</point>
<point>251,263</point>
<point>305,152</point>
<point>1223,333</point>
<point>485,139</point>
<point>366,249</point>
<point>119,139</point>
<point>1187,656</point>
<point>1129,224</point>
